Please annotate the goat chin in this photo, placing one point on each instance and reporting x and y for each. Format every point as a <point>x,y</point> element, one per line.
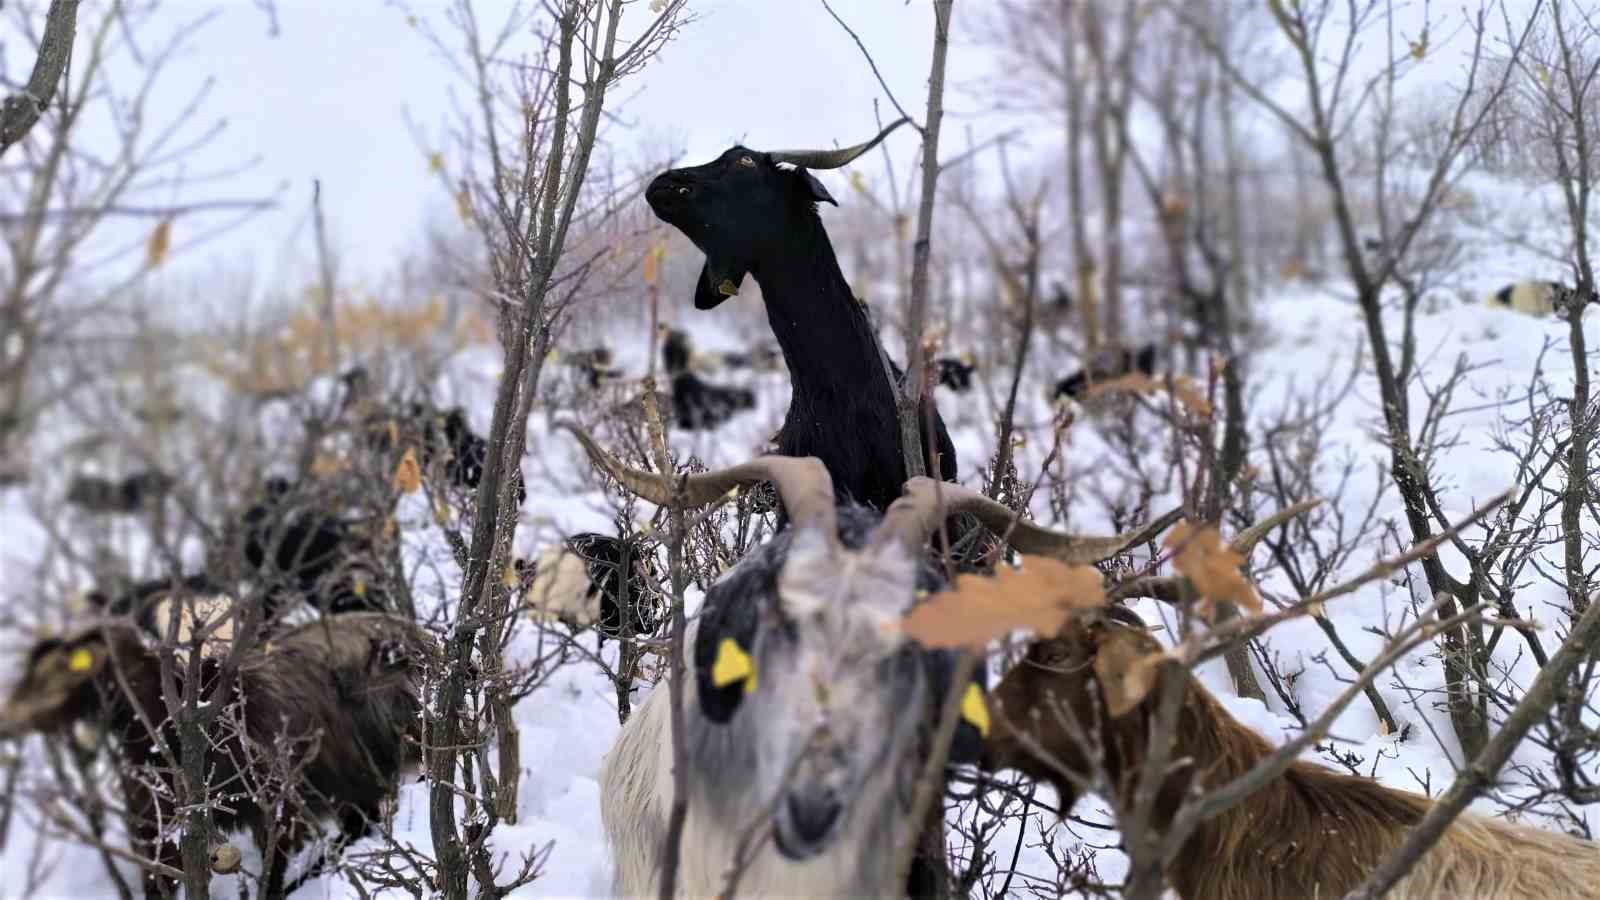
<point>636,788</point>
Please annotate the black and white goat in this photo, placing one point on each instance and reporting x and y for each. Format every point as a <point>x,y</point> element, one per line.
<point>188,610</point>
<point>1537,298</point>
<point>754,213</point>
<point>582,581</point>
<point>806,707</point>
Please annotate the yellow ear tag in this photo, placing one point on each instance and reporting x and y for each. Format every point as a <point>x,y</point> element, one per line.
<point>81,660</point>
<point>974,710</point>
<point>727,288</point>
<point>732,665</point>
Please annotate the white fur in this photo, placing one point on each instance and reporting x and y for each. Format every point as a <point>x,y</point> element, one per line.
<point>212,615</point>
<point>736,769</point>
<point>1532,298</point>
<point>561,589</point>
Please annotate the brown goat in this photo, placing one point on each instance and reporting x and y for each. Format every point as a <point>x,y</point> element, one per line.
<point>1312,832</point>
<point>342,690</point>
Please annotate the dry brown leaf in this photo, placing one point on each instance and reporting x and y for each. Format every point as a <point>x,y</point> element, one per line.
<point>408,475</point>
<point>1190,397</point>
<point>155,250</point>
<point>325,464</point>
<point>1210,565</point>
<point>435,163</point>
<point>1127,671</point>
<point>1037,597</point>
<point>464,205</point>
<point>1292,270</point>
<point>652,262</point>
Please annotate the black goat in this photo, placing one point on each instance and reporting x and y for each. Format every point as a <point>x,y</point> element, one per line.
<point>1105,366</point>
<point>752,216</point>
<point>955,372</point>
<point>698,405</point>
<point>130,495</point>
<point>310,552</point>
<point>343,691</point>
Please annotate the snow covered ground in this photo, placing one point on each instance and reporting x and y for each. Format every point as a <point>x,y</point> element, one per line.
<point>1307,340</point>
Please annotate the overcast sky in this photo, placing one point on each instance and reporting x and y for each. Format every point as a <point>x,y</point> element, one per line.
<point>328,97</point>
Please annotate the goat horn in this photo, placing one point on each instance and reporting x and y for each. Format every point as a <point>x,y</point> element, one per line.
<point>915,514</point>
<point>832,159</point>
<point>803,482</point>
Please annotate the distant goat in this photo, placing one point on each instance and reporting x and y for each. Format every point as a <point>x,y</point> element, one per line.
<point>343,690</point>
<point>698,405</point>
<point>1530,298</point>
<point>204,610</point>
<point>1311,832</point>
<point>955,372</point>
<point>581,582</point>
<point>804,704</point>
<point>130,495</point>
<point>437,437</point>
<point>594,364</point>
<point>752,216</point>
<point>1104,366</point>
<point>295,545</point>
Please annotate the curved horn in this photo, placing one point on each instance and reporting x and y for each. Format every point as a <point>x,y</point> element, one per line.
<point>914,516</point>
<point>803,482</point>
<point>1246,540</point>
<point>832,159</point>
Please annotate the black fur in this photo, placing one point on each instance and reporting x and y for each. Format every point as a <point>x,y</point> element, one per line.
<point>345,686</point>
<point>309,552</point>
<point>955,374</point>
<point>761,219</point>
<point>606,558</point>
<point>130,495</point>
<point>698,405</point>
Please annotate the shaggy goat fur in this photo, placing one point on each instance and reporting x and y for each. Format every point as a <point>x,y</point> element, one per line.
<point>304,552</point>
<point>343,689</point>
<point>845,802</point>
<point>1312,832</point>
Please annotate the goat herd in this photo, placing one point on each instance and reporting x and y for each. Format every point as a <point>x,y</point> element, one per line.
<point>807,722</point>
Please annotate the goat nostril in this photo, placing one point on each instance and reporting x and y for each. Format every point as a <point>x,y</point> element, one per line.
<point>813,816</point>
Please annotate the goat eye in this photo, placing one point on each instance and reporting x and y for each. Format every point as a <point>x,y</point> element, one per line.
<point>683,190</point>
<point>747,161</point>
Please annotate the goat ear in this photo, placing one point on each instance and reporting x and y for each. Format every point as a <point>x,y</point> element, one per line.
<point>724,659</point>
<point>818,192</point>
<point>716,284</point>
<point>1128,669</point>
<point>972,727</point>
